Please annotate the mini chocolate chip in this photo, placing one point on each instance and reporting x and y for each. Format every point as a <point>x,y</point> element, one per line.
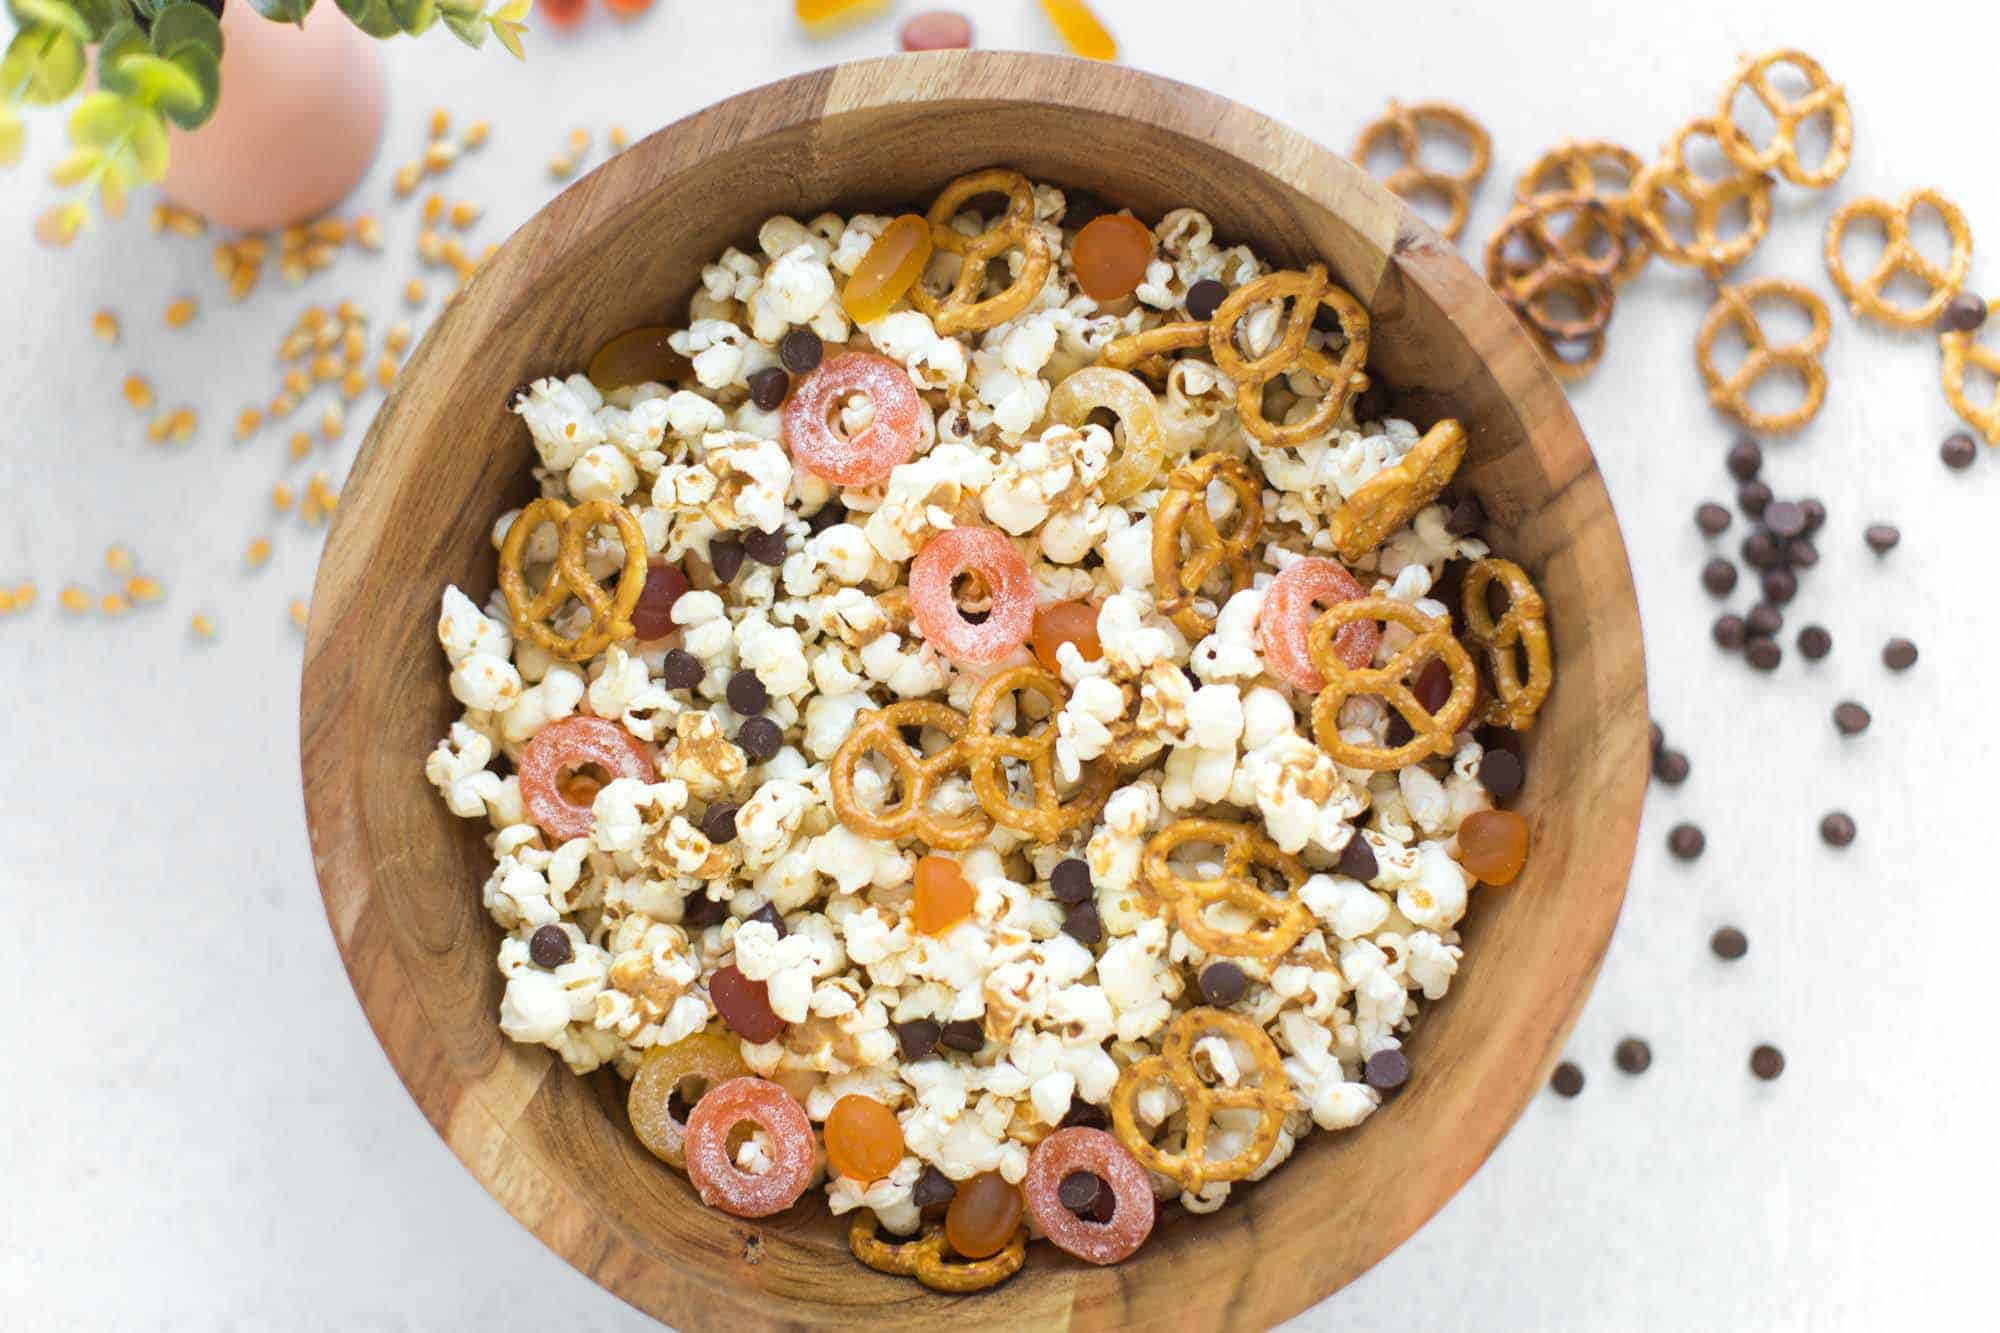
<point>746,694</point>
<point>1084,1113</point>
<point>761,738</point>
<point>1899,654</point>
<point>1203,298</point>
<point>1958,451</point>
<point>680,669</point>
<point>933,1187</point>
<point>1850,717</point>
<point>1081,923</point>
<point>1567,1080</point>
<point>549,946</point>
<point>1752,496</point>
<point>917,1038</point>
<point>766,548</point>
<point>1357,859</point>
<point>1761,550</point>
<point>1745,459</point>
<point>800,351</point>
<point>1325,320</point>
<point>1655,738</point>
<point>1222,983</point>
<point>1785,518</point>
<point>1386,1070</point>
<point>1837,829</point>
<point>1800,553</point>
<point>768,914</point>
<point>1730,632</point>
<point>824,517</point>
<point>1764,654</point>
<point>700,911</point>
<point>725,557</point>
<point>1815,513</point>
<point>1070,880</point>
<point>1375,401</point>
<point>1962,314</point>
<point>1730,943</point>
<point>1078,1192</point>
<point>1780,585</point>
<point>1467,516</point>
<point>1882,537</point>
<point>1767,1062</point>
<point>1633,1056</point>
<point>1765,619</point>
<point>1815,642</point>
<point>1502,772</point>
<point>1719,577</point>
<point>1671,767</point>
<point>1400,732</point>
<point>718,823</point>
<point>1686,841</point>
<point>769,386</point>
<point>1081,208</point>
<point>1712,518</point>
<point>964,1034</point>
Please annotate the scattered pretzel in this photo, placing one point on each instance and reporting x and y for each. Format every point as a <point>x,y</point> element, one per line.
<point>1271,1098</point>
<point>1179,577</point>
<point>1707,200</point>
<point>960,310</point>
<point>924,1258</point>
<point>1051,815</point>
<point>1579,167</point>
<point>1961,350</point>
<point>1280,921</point>
<point>881,732</point>
<point>1737,306</point>
<point>1146,351</point>
<point>1413,180</point>
<point>1524,625</point>
<point>610,613</point>
<point>1529,264</point>
<point>1868,296</point>
<point>1431,637</point>
<point>1782,153</point>
<point>1392,497</point>
<point>1307,291</point>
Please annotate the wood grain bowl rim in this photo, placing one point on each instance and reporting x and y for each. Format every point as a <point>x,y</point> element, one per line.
<point>480,1132</point>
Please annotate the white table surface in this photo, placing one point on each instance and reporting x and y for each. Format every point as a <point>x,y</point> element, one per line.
<point>200,1132</point>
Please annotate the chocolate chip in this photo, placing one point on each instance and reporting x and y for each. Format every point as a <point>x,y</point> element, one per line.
<point>549,946</point>
<point>1752,496</point>
<point>1962,314</point>
<point>1712,518</point>
<point>917,1038</point>
<point>1502,773</point>
<point>1767,1062</point>
<point>963,1034</point>
<point>1730,632</point>
<point>1850,718</point>
<point>1815,642</point>
<point>1899,654</point>
<point>699,911</point>
<point>746,694</point>
<point>1467,516</point>
<point>1081,923</point>
<point>768,914</point>
<point>1764,654</point>
<point>933,1187</point>
<point>1815,513</point>
<point>1375,401</point>
<point>1357,859</point>
<point>769,386</point>
<point>800,351</point>
<point>1081,208</point>
<point>1433,685</point>
<point>1686,841</point>
<point>1780,585</point>
<point>766,548</point>
<point>1400,732</point>
<point>725,557</point>
<point>1958,451</point>
<point>1567,1081</point>
<point>1800,553</point>
<point>1386,1070</point>
<point>1085,1114</point>
<point>1761,550</point>
<point>718,822</point>
<point>1070,880</point>
<point>1785,518</point>
<point>1078,1192</point>
<point>1633,1056</point>
<point>1765,619</point>
<point>1729,943</point>
<point>1222,983</point>
<point>761,738</point>
<point>1745,459</point>
<point>1671,767</point>
<point>680,669</point>
<point>1719,577</point>
<point>1837,829</point>
<point>1882,537</point>
<point>824,517</point>
<point>1203,298</point>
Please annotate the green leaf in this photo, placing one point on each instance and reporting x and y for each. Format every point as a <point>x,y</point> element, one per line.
<point>371,16</point>
<point>414,16</point>
<point>123,40</point>
<point>149,146</point>
<point>157,81</point>
<point>102,119</point>
<point>145,9</point>
<point>180,24</point>
<point>76,167</point>
<point>468,28</point>
<point>101,15</point>
<point>52,14</point>
<point>13,136</point>
<point>46,63</point>
<point>284,11</point>
<point>201,65</point>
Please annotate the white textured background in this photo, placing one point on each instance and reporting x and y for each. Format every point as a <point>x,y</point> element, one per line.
<point>198,1132</point>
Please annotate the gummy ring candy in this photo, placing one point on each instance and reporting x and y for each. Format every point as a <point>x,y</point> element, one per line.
<point>925,1257</point>
<point>1009,585</point>
<point>713,1172</point>
<point>1431,637</point>
<point>1290,605</point>
<point>1708,202</point>
<point>1867,296</point>
<point>1524,625</point>
<point>1279,922</point>
<point>1580,167</point>
<point>1126,395</point>
<point>712,1056</point>
<point>1307,292</point>
<point>1737,306</point>
<point>1050,814</point>
<point>1961,350</point>
<point>1146,351</point>
<point>1179,577</point>
<point>873,452</point>
<point>610,613</point>
<point>1413,179</point>
<point>1826,97</point>
<point>559,750</point>
<point>1271,1098</point>
<point>1081,1148</point>
<point>1392,497</point>
<point>918,775</point>
<point>960,310</point>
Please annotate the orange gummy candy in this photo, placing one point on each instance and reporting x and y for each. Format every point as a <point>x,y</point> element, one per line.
<point>1493,845</point>
<point>889,269</point>
<point>823,14</point>
<point>863,1140</point>
<point>1058,623</point>
<point>1110,256</point>
<point>984,1215</point>
<point>943,896</point>
<point>1081,30</point>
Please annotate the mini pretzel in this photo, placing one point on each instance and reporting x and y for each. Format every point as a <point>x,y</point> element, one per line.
<point>1737,306</point>
<point>1578,167</point>
<point>1413,179</point>
<point>924,1258</point>
<point>1783,151</point>
<point>1552,266</point>
<point>1281,920</point>
<point>881,732</point>
<point>1050,816</point>
<point>1431,638</point>
<point>1961,350</point>
<point>1589,293</point>
<point>1707,200</point>
<point>1524,625</point>
<point>1867,296</point>
<point>960,310</point>
<point>610,613</point>
<point>1392,497</point>
<point>1271,1098</point>
<point>1146,351</point>
<point>1178,577</point>
<point>1307,291</point>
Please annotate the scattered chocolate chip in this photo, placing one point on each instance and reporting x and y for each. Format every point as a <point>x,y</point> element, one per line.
<point>768,914</point>
<point>1730,632</point>
<point>1222,983</point>
<point>680,669</point>
<point>1502,773</point>
<point>718,822</point>
<point>1962,314</point>
<point>1081,923</point>
<point>933,1186</point>
<point>725,557</point>
<point>1767,1062</point>
<point>1671,767</point>
<point>1765,619</point>
<point>1800,553</point>
<point>1837,829</point>
<point>1780,585</point>
<point>766,548</point>
<point>824,517</point>
<point>1752,496</point>
<point>1882,537</point>
<point>1958,451</point>
<point>1785,518</point>
<point>1815,513</point>
<point>1357,860</point>
<point>1899,654</point>
<point>1745,459</point>
<point>549,946</point>
<point>1467,516</point>
<point>1729,943</point>
<point>769,386</point>
<point>963,1034</point>
<point>1761,550</point>
<point>761,738</point>
<point>1712,518</point>
<point>1203,298</point>
<point>1567,1081</point>
<point>1386,1070</point>
<point>1850,718</point>
<point>699,911</point>
<point>800,351</point>
<point>1084,1113</point>
<point>1070,880</point>
<point>1764,654</point>
<point>1633,1056</point>
<point>917,1038</point>
<point>746,694</point>
<point>1655,738</point>
<point>1078,1192</point>
<point>1686,841</point>
<point>1815,642</point>
<point>1719,577</point>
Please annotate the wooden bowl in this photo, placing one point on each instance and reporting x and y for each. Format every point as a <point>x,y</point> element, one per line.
<point>401,875</point>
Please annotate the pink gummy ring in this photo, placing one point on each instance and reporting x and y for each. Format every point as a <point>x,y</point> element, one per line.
<point>873,452</point>
<point>712,1169</point>
<point>1010,589</point>
<point>1082,1149</point>
<point>1291,604</point>
<point>560,749</point>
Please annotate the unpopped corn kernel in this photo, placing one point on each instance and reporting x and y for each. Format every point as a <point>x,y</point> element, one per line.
<point>616,137</point>
<point>181,313</point>
<point>104,326</point>
<point>354,344</point>
<point>202,626</point>
<point>579,141</point>
<point>397,337</point>
<point>413,291</point>
<point>385,370</point>
<point>368,232</point>
<point>284,405</point>
<point>353,383</point>
<point>464,214</point>
<point>296,344</point>
<point>181,425</point>
<point>298,383</point>
<point>562,167</point>
<point>301,444</point>
<point>298,612</point>
<point>476,133</point>
<point>439,156</point>
<point>326,368</point>
<point>258,552</point>
<point>433,210</point>
<point>75,600</point>
<point>138,392</point>
<point>407,177</point>
<point>160,427</point>
<point>114,604</point>
<point>440,122</point>
<point>332,422</point>
<point>117,559</point>
<point>332,231</point>
<point>24,596</point>
<point>247,422</point>
<point>281,498</point>
<point>430,246</point>
<point>142,589</point>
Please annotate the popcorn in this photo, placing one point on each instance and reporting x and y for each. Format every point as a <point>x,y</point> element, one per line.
<point>486,681</point>
<point>603,473</point>
<point>463,630</point>
<point>457,768</point>
<point>562,419</point>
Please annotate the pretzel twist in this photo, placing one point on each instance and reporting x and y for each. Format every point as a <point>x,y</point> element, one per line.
<point>1306,291</point>
<point>1708,201</point>
<point>924,1257</point>
<point>1825,98</point>
<point>1577,167</point>
<point>1392,497</point>
<point>1430,637</point>
<point>1280,922</point>
<point>1413,179</point>
<point>961,310</point>
<point>1147,350</point>
<point>1736,306</point>
<point>1049,815</point>
<point>610,613</point>
<point>1180,575</point>
<point>1523,626</point>
<point>1529,263</point>
<point>880,733</point>
<point>1271,1098</point>
<point>1868,295</point>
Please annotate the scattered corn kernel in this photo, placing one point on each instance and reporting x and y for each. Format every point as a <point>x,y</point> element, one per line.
<point>298,610</point>
<point>368,232</point>
<point>349,313</point>
<point>476,132</point>
<point>75,600</point>
<point>142,589</point>
<point>616,137</point>
<point>247,422</point>
<point>321,256</point>
<point>259,552</point>
<point>159,428</point>
<point>182,424</point>
<point>138,392</point>
<point>181,313</point>
<point>183,222</point>
<point>325,368</point>
<point>332,231</point>
<point>353,345</point>
<point>295,345</point>
<point>385,370</point>
<point>284,405</point>
<point>332,422</point>
<point>301,444</point>
<point>6,601</point>
<point>104,326</point>
<point>464,214</point>
<point>282,498</point>
<point>439,156</point>
<point>241,282</point>
<point>327,336</point>
<point>430,246</point>
<point>433,210</point>
<point>397,337</point>
<point>117,559</point>
<point>413,291</point>
<point>562,167</point>
<point>292,269</point>
<point>24,596</point>
<point>407,178</point>
<point>579,141</point>
<point>353,383</point>
<point>489,252</point>
<point>251,249</point>
<point>298,383</point>
<point>312,319</point>
<point>202,626</point>
<point>440,123</point>
<point>114,604</point>
<point>223,259</point>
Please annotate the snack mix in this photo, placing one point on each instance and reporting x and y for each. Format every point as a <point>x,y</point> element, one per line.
<point>987,720</point>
